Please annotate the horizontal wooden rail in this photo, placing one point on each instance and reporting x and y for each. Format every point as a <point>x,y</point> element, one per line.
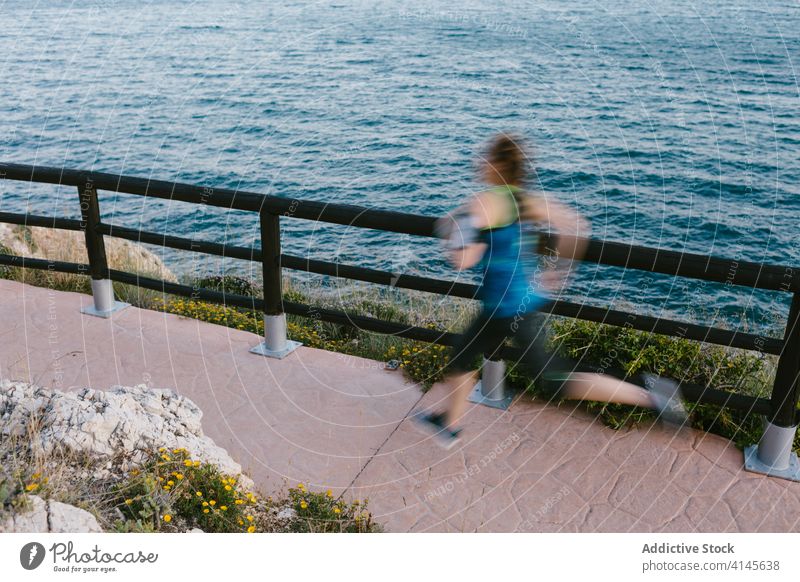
<point>647,323</point>
<point>345,214</point>
<point>44,264</point>
<point>43,221</point>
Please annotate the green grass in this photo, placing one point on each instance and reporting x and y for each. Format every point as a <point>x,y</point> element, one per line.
<point>728,369</point>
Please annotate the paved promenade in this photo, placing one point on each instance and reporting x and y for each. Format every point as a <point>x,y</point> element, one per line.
<point>339,422</point>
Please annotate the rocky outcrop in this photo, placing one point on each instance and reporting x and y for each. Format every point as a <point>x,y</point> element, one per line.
<point>46,516</point>
<point>102,424</point>
<point>66,245</point>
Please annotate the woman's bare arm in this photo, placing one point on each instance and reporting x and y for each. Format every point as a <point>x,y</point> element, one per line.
<point>572,229</point>
<point>466,257</point>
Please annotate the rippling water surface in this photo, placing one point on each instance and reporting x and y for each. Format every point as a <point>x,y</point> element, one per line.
<point>671,124</point>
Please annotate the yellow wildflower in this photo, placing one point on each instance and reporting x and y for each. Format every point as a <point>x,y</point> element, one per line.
<point>251,529</point>
<point>336,510</point>
<point>303,505</point>
<point>32,487</point>
<point>128,501</point>
<point>199,493</point>
<point>205,511</point>
<point>212,503</point>
<point>223,507</point>
<point>168,518</point>
<point>329,493</point>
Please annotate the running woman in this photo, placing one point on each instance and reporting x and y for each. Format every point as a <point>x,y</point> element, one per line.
<point>487,231</point>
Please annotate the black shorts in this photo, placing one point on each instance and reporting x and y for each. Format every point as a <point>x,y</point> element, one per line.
<point>486,335</point>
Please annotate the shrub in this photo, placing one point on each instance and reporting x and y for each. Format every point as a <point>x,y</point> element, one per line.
<point>321,513</point>
<point>247,320</point>
<point>635,351</point>
<point>423,362</point>
<point>13,490</point>
<point>172,490</point>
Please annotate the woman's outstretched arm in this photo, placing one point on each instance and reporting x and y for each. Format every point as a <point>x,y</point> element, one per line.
<point>572,236</point>
<point>572,228</point>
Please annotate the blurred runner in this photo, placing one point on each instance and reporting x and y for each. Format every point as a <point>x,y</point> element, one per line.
<point>487,230</point>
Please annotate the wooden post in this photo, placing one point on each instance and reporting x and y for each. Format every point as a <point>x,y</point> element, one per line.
<point>104,303</point>
<point>774,453</point>
<point>785,389</point>
<point>275,344</point>
<point>90,220</point>
<point>271,262</point>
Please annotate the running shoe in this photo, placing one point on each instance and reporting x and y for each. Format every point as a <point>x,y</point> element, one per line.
<point>666,395</point>
<point>434,422</point>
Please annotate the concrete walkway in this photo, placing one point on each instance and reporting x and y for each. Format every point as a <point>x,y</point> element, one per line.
<point>340,422</point>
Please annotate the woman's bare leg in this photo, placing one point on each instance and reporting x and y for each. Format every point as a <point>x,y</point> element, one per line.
<point>458,387</point>
<point>602,388</point>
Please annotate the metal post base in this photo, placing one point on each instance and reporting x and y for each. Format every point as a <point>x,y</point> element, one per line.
<point>773,455</point>
<point>491,389</point>
<point>103,303</point>
<point>275,344</point>
<point>262,350</point>
<point>118,306</point>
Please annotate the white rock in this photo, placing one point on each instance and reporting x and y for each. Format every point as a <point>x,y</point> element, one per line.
<point>64,245</point>
<point>33,519</point>
<point>69,519</point>
<point>287,513</point>
<point>134,420</point>
<point>51,516</point>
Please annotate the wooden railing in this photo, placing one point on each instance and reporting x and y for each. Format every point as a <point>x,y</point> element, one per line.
<point>781,408</point>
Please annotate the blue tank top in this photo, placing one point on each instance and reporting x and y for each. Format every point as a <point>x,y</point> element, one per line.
<point>507,289</point>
